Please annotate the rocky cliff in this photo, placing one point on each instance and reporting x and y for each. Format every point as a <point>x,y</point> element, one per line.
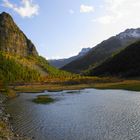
<point>12,39</point>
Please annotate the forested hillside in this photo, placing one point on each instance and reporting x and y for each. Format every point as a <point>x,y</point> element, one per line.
<point>124,64</point>
<point>19,59</point>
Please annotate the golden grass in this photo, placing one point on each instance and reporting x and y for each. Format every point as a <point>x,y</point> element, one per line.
<point>76,83</point>
<point>133,85</point>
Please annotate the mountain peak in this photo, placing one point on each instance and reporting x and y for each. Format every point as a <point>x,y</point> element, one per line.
<point>130,33</point>
<point>5,17</point>
<point>7,22</point>
<point>84,51</point>
<point>4,14</point>
<point>12,39</point>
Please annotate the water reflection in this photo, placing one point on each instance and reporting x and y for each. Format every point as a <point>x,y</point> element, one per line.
<point>90,115</point>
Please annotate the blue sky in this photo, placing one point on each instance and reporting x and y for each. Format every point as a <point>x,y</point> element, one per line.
<point>60,28</point>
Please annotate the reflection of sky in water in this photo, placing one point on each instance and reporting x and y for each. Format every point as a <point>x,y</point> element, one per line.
<point>92,114</point>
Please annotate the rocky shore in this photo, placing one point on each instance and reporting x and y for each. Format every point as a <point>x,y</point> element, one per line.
<point>6,130</point>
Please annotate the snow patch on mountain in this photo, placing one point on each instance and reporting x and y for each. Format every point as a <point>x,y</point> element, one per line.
<point>130,33</point>
<point>84,51</point>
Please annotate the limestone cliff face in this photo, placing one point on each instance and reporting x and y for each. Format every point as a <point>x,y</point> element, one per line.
<point>13,40</point>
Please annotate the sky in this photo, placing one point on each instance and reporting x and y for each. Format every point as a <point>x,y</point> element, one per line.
<point>61,28</point>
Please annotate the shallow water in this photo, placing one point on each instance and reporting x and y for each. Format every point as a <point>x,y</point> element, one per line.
<point>88,114</point>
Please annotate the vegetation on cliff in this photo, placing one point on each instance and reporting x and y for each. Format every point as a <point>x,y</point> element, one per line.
<point>19,59</point>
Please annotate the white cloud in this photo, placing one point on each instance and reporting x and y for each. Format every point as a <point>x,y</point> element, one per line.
<point>86,9</point>
<point>105,19</point>
<point>71,11</point>
<point>27,8</point>
<point>118,10</point>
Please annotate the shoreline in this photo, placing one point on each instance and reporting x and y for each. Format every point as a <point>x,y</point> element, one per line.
<point>6,130</point>
<point>131,85</point>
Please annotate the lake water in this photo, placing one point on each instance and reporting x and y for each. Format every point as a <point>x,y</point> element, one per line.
<point>87,114</point>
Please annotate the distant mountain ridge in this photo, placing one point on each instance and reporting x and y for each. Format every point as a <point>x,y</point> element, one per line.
<point>61,62</point>
<point>103,51</point>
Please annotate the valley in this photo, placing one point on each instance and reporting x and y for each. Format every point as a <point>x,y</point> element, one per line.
<point>30,82</point>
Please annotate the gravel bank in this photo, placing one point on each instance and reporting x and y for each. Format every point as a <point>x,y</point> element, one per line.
<point>6,131</point>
